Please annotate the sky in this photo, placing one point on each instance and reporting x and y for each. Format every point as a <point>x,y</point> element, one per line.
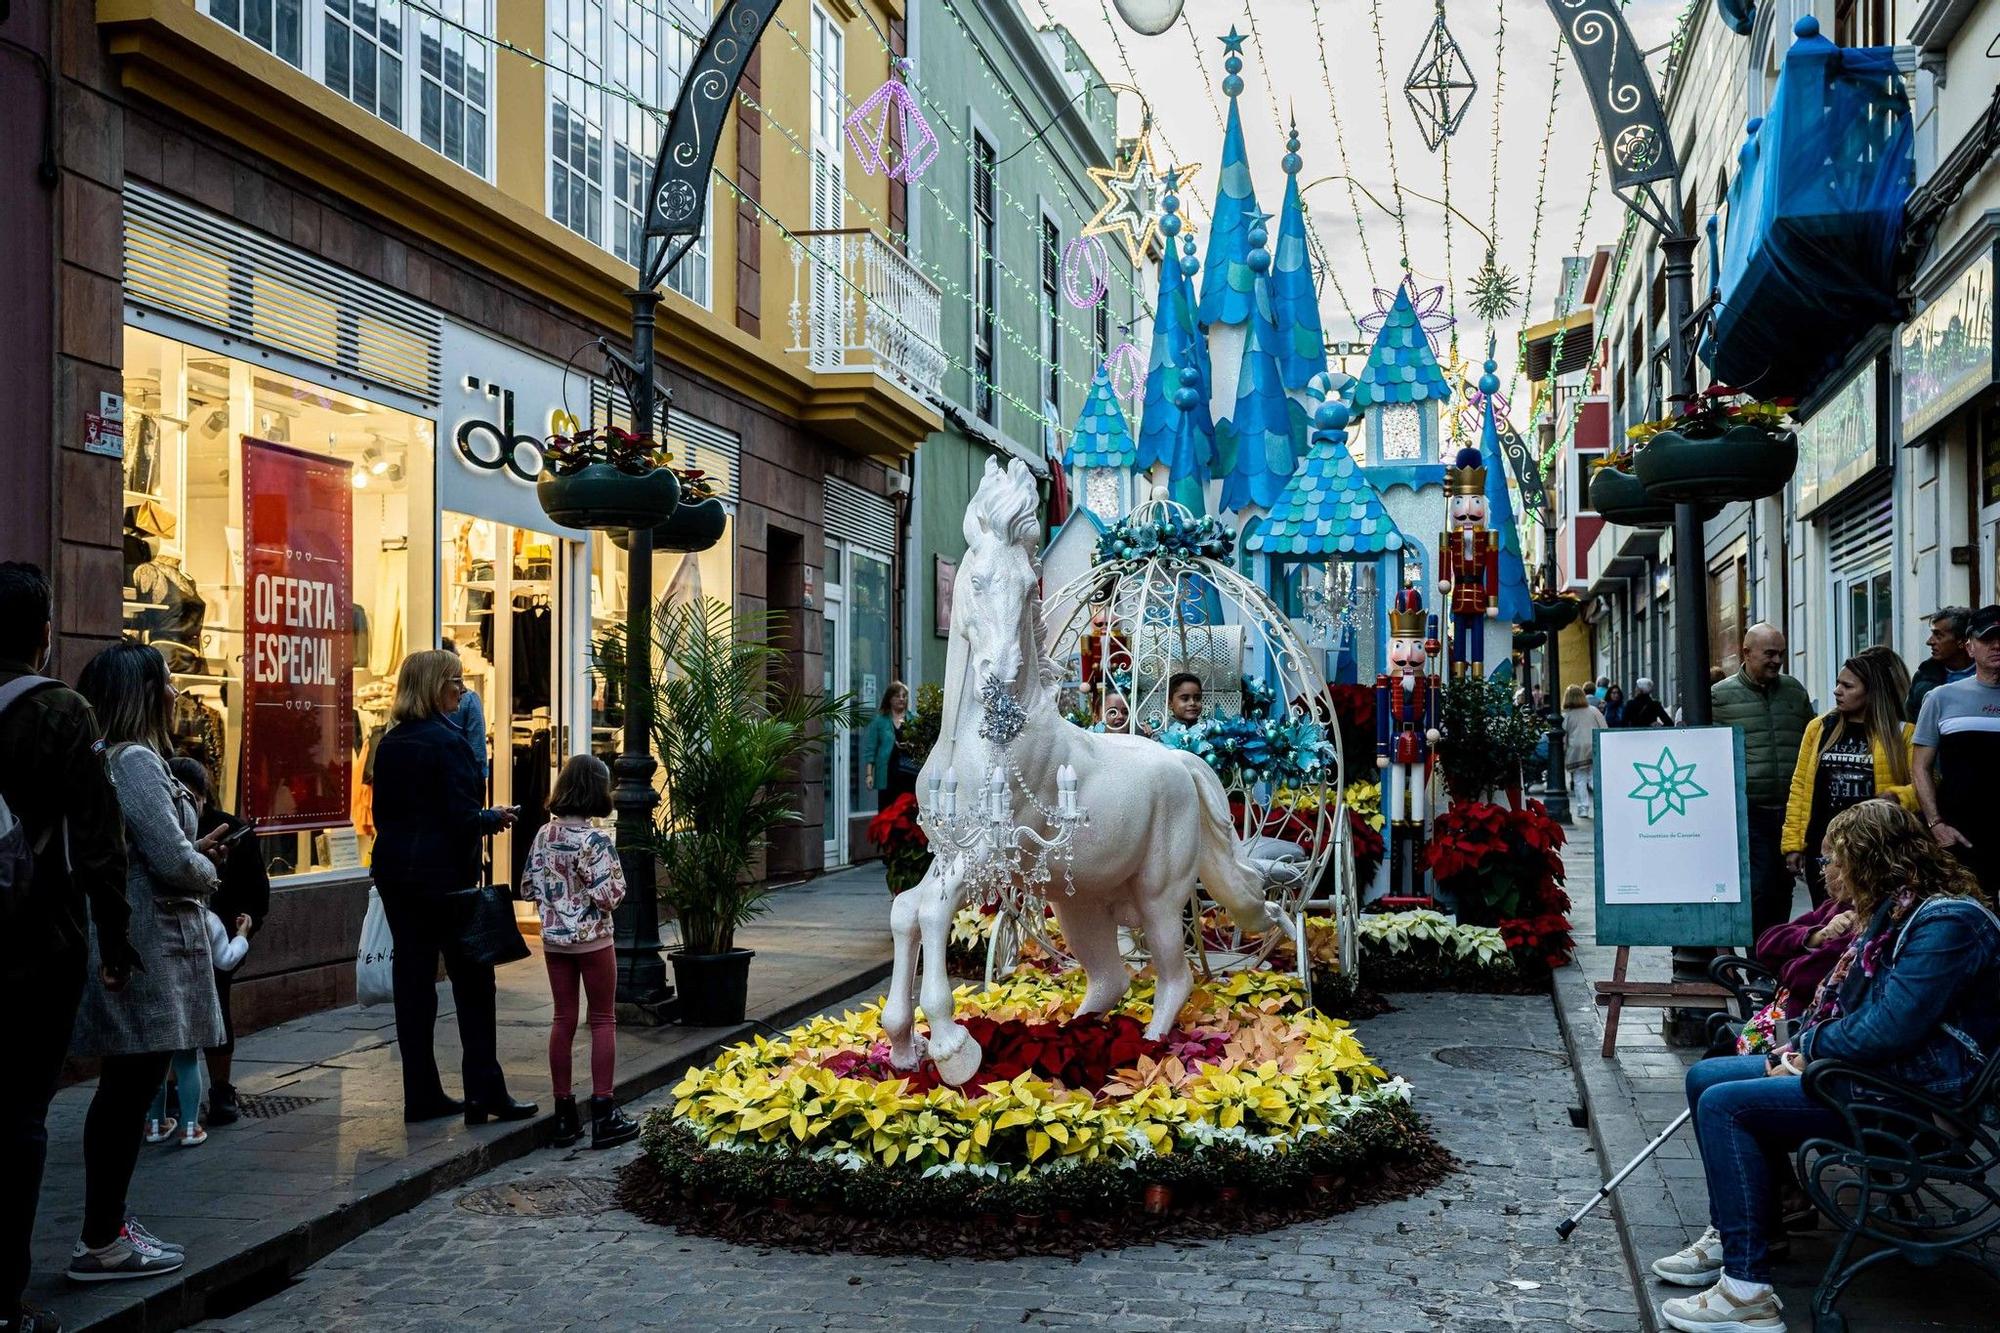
<point>1282,68</point>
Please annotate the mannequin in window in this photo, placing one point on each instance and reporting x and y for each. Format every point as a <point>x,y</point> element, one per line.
<point>176,609</point>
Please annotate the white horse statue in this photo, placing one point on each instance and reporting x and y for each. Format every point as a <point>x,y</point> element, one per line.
<point>1158,816</point>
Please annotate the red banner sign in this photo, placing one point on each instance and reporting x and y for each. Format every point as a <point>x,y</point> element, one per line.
<point>298,637</point>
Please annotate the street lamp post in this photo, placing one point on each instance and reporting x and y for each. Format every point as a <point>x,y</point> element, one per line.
<point>677,206</point>
<point>1640,152</point>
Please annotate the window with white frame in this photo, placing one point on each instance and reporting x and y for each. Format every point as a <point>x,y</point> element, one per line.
<point>615,68</point>
<point>424,69</point>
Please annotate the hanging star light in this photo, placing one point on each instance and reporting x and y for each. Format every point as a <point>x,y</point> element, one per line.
<point>869,130</point>
<point>1132,198</point>
<point>1440,86</point>
<point>1495,290</point>
<point>1425,300</point>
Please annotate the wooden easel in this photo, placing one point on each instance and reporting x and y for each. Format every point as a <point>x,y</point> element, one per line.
<point>1618,992</point>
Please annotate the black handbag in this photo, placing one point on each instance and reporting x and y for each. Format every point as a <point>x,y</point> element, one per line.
<point>487,933</point>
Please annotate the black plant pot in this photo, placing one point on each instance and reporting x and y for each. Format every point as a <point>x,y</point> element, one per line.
<point>1527,640</point>
<point>1557,613</point>
<point>695,526</point>
<point>600,496</point>
<point>1621,498</point>
<point>1743,463</point>
<point>714,987</point>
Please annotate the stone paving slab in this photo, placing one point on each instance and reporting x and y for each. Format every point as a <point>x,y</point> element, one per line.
<point>264,1199</point>
<point>1477,1254</point>
<point>1633,1096</point>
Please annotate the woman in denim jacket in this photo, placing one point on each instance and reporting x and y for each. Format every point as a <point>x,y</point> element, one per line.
<point>1913,997</point>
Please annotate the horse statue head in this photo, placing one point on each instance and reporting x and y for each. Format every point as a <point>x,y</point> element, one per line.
<point>995,601</point>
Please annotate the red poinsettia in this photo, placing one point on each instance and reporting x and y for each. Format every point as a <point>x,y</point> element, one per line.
<point>1496,863</point>
<point>1538,943</point>
<point>906,852</point>
<point>1081,1053</point>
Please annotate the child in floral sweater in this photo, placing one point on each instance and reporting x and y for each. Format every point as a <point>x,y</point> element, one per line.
<point>573,875</point>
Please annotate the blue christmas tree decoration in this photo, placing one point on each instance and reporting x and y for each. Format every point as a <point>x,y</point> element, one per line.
<point>1515,603</point>
<point>1102,437</point>
<point>1173,333</point>
<point>1402,367</point>
<point>1262,421</point>
<point>1301,349</point>
<point>1227,295</point>
<point>1328,509</point>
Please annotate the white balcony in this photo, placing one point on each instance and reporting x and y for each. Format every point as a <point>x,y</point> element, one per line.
<point>859,303</point>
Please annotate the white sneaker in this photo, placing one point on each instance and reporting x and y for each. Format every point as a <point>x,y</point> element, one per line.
<point>119,1261</point>
<point>1696,1266</point>
<point>1715,1311</point>
<point>159,1131</point>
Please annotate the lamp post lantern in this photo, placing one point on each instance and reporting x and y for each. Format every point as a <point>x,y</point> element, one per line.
<point>677,205</point>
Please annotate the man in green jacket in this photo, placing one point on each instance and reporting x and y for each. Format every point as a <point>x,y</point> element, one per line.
<point>1771,710</point>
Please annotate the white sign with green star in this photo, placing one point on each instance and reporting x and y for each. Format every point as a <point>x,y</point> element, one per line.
<point>1669,814</point>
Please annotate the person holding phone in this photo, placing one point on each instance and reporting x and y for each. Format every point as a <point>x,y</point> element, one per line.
<point>245,891</point>
<point>429,827</point>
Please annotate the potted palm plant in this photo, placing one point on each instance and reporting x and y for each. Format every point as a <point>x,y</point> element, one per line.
<point>729,735</point>
<point>608,478</point>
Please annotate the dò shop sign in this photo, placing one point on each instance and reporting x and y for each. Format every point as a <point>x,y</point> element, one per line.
<point>298,637</point>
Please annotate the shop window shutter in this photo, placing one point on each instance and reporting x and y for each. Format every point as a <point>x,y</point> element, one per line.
<point>861,517</point>
<point>1862,535</point>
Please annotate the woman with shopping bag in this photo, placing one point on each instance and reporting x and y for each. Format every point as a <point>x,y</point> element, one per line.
<point>427,870</point>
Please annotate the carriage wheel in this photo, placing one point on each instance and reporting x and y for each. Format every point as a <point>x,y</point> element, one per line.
<point>1003,947</point>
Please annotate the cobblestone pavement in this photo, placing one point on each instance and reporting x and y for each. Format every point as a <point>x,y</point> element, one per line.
<point>1476,1255</point>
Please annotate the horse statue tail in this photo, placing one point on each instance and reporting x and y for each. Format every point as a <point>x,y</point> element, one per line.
<point>1229,879</point>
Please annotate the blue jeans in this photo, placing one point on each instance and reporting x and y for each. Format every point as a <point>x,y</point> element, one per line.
<point>1744,1123</point>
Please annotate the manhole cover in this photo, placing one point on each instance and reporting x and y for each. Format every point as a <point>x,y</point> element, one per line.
<point>1502,1059</point>
<point>271,1105</point>
<point>552,1196</point>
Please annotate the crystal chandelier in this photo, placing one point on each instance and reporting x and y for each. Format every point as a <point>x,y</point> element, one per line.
<point>1343,599</point>
<point>1003,861</point>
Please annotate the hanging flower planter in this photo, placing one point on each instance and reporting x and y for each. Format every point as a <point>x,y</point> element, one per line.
<point>1527,640</point>
<point>1621,498</point>
<point>1745,462</point>
<point>1718,449</point>
<point>606,479</point>
<point>1556,613</point>
<point>694,526</point>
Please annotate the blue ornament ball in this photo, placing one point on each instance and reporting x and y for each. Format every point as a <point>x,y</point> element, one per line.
<point>1171,202</point>
<point>1232,84</point>
<point>1293,162</point>
<point>1191,376</point>
<point>1170,224</point>
<point>1190,265</point>
<point>1258,259</point>
<point>1489,383</point>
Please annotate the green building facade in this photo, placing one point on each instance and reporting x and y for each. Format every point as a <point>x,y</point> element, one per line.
<point>990,221</point>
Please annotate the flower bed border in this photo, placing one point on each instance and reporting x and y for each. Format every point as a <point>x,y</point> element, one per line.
<point>794,1202</point>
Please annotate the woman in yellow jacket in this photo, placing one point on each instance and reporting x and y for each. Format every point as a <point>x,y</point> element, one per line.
<point>1858,752</point>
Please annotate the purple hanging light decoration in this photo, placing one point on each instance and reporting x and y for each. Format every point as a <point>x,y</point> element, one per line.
<point>1086,271</point>
<point>1425,300</point>
<point>1126,369</point>
<point>868,130</point>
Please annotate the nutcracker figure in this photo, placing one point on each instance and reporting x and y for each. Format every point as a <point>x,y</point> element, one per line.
<point>1406,706</point>
<point>1468,563</point>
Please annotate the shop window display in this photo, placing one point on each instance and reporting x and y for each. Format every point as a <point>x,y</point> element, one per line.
<point>189,412</point>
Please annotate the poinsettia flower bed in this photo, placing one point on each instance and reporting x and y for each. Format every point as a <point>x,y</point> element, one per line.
<point>1415,951</point>
<point>1251,1091</point>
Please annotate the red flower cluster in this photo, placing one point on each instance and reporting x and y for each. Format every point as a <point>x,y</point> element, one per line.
<point>906,852</point>
<point>1082,1053</point>
<point>1497,863</point>
<point>1540,942</point>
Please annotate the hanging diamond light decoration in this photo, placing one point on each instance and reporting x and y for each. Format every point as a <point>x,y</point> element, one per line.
<point>871,130</point>
<point>1440,86</point>
<point>1495,290</point>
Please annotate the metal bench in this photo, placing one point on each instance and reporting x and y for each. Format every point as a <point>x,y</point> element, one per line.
<point>1911,1173</point>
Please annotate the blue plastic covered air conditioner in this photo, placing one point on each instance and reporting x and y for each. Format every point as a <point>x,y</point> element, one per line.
<point>1815,212</point>
<point>1739,15</point>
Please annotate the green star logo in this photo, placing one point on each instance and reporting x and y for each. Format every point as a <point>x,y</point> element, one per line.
<point>1666,787</point>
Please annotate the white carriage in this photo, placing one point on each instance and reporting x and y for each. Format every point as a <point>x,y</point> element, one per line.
<point>1170,603</point>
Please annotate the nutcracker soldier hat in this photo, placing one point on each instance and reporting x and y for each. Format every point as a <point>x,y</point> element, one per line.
<point>1406,618</point>
<point>1467,474</point>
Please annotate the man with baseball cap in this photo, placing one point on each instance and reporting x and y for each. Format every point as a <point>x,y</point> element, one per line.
<point>1957,767</point>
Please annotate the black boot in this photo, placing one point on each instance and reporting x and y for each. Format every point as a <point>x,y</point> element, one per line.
<point>500,1108</point>
<point>568,1124</point>
<point>609,1126</point>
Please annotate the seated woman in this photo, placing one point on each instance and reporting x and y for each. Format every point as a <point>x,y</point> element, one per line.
<point>1803,951</point>
<point>1912,997</point>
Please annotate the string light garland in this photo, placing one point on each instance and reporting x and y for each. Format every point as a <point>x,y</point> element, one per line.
<point>1495,290</point>
<point>1086,270</point>
<point>869,131</point>
<point>1194,43</point>
<point>1340,143</point>
<point>1535,232</point>
<point>1389,135</point>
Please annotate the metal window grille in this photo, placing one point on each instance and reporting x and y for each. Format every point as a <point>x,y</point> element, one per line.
<point>861,517</point>
<point>985,278</point>
<point>186,261</point>
<point>1861,535</point>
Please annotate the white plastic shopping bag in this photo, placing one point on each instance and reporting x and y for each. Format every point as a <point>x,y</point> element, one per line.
<point>373,983</point>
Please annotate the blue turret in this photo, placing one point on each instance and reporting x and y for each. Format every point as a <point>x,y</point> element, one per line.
<point>1516,606</point>
<point>1227,292</point>
<point>1261,455</point>
<point>1301,348</point>
<point>1174,334</point>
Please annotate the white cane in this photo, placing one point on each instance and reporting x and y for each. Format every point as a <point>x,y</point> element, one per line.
<point>1568,1224</point>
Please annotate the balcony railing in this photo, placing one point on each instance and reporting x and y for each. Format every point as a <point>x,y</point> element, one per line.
<point>859,303</point>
